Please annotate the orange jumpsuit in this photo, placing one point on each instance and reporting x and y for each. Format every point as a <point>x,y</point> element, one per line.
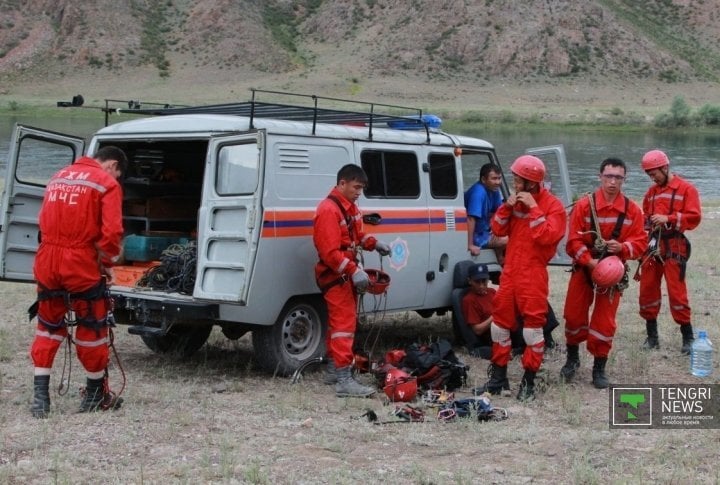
<point>524,287</point>
<point>337,237</point>
<point>599,329</point>
<point>680,201</point>
<point>81,228</point>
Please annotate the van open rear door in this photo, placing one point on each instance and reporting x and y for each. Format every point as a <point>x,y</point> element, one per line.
<point>34,156</point>
<point>229,222</point>
<point>557,180</point>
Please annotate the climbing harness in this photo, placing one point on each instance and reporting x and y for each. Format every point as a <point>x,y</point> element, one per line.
<point>600,248</point>
<point>111,399</point>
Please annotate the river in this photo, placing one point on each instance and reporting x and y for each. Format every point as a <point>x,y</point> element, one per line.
<point>693,154</point>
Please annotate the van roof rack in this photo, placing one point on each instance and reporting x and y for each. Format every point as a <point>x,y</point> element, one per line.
<point>368,116</point>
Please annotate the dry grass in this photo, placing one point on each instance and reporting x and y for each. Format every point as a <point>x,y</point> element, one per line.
<point>216,419</point>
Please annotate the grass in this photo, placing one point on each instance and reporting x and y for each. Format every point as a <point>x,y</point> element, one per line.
<point>178,425</point>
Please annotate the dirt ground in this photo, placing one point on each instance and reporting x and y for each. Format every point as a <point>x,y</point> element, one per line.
<point>218,419</point>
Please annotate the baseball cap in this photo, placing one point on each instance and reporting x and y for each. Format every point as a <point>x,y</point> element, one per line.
<point>478,272</point>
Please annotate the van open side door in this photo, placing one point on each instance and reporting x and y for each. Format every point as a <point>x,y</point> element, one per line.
<point>557,180</point>
<point>34,156</point>
<point>229,222</point>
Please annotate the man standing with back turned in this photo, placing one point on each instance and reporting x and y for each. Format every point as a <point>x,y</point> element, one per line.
<point>81,230</point>
<point>338,236</point>
<point>534,220</point>
<point>671,206</point>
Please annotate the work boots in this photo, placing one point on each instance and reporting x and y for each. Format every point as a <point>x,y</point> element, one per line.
<point>687,338</point>
<point>599,379</point>
<point>96,399</point>
<point>652,341</point>
<point>571,364</point>
<point>347,386</point>
<point>497,383</point>
<point>330,377</point>
<point>41,399</point>
<point>93,397</point>
<point>526,393</point>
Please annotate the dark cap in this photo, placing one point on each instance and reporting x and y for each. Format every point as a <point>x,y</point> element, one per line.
<point>478,272</point>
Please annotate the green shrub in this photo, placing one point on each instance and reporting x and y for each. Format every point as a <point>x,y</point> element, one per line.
<point>708,115</point>
<point>679,115</point>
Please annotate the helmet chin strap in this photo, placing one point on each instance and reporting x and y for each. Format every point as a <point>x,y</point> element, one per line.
<point>665,171</point>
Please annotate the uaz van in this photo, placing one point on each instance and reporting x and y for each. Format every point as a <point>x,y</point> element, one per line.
<point>225,196</point>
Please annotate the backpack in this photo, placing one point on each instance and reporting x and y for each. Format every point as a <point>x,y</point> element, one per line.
<point>435,365</point>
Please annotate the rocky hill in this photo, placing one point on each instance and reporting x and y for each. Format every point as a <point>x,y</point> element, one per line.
<point>442,51</point>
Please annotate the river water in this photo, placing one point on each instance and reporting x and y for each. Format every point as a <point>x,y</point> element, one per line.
<point>693,155</point>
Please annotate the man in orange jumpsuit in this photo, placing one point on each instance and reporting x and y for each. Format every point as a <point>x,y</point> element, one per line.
<point>80,230</point>
<point>671,207</point>
<point>622,233</point>
<point>338,236</point>
<point>534,219</point>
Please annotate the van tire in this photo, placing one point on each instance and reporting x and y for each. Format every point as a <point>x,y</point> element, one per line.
<point>297,336</point>
<point>180,342</point>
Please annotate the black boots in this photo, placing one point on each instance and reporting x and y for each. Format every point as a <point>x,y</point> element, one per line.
<point>571,364</point>
<point>526,392</point>
<point>96,399</point>
<point>687,338</point>
<point>652,341</point>
<point>93,397</point>
<point>498,381</point>
<point>41,399</point>
<point>599,379</point>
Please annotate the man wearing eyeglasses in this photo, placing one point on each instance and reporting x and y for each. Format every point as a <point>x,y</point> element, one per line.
<point>603,223</point>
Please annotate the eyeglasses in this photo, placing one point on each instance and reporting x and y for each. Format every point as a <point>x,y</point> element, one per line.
<point>612,176</point>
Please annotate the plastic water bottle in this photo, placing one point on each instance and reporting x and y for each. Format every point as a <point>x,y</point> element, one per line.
<point>701,356</point>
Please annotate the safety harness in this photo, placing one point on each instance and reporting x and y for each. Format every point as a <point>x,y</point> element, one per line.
<point>351,231</point>
<point>71,319</point>
<point>91,295</point>
<point>599,248</point>
<point>659,247</point>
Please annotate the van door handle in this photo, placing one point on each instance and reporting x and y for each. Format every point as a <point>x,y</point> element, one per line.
<point>373,219</point>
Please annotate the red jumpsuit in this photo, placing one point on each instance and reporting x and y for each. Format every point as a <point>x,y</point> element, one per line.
<point>680,201</point>
<point>599,330</point>
<point>81,228</point>
<point>524,287</point>
<point>337,242</point>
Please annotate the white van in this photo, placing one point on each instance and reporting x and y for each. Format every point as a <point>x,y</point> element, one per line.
<point>240,183</point>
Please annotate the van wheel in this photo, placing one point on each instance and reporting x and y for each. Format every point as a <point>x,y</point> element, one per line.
<point>180,341</point>
<point>297,336</point>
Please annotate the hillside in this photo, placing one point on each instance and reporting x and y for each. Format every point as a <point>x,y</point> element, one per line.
<point>548,55</point>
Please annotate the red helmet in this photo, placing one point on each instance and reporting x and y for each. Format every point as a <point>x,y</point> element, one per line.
<point>608,272</point>
<point>529,167</point>
<point>654,159</point>
<point>379,281</point>
<point>400,386</point>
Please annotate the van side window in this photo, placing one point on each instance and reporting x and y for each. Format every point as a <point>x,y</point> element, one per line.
<point>237,170</point>
<point>391,174</point>
<point>38,160</point>
<point>443,177</point>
